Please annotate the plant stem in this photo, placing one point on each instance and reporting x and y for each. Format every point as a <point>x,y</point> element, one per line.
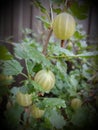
<point>24,75</point>
<point>51,11</point>
<point>46,42</point>
<point>62,56</point>
<point>66,3</point>
<point>62,43</point>
<point>8,42</point>
<point>27,68</point>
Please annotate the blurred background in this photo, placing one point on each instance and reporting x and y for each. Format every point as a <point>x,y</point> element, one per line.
<point>16,15</point>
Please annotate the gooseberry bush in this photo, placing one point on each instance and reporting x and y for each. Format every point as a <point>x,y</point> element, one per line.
<point>58,88</point>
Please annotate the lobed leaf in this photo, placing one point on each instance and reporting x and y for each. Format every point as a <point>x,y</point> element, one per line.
<point>28,51</point>
<point>54,102</point>
<point>12,67</point>
<point>88,54</point>
<point>13,116</point>
<point>56,119</point>
<point>79,10</point>
<point>4,53</point>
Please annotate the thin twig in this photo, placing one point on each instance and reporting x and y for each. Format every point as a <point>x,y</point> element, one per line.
<point>27,68</point>
<point>12,43</point>
<point>46,42</point>
<point>51,11</point>
<point>66,3</point>
<point>24,75</point>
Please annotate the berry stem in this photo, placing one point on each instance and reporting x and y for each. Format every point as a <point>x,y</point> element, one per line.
<point>62,43</point>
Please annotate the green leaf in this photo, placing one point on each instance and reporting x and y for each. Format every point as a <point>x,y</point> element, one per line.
<point>44,20</point>
<point>80,10</point>
<point>4,53</point>
<point>14,90</point>
<point>57,10</point>
<point>54,102</point>
<point>74,81</point>
<point>74,78</point>
<point>3,90</point>
<point>13,116</point>
<point>79,35</point>
<point>28,51</point>
<point>80,117</point>
<point>82,44</point>
<point>38,4</point>
<point>12,67</point>
<point>58,1</point>
<point>86,71</point>
<point>20,51</point>
<point>37,87</point>
<point>62,66</point>
<point>56,119</point>
<point>59,50</point>
<point>84,116</point>
<point>37,67</point>
<point>88,54</point>
<point>30,65</point>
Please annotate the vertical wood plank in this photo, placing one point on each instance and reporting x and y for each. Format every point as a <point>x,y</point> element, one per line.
<point>93,31</point>
<point>1,21</point>
<point>6,22</point>
<point>17,19</point>
<point>6,19</point>
<point>26,14</point>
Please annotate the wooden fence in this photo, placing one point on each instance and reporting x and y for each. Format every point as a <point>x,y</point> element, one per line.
<point>16,15</point>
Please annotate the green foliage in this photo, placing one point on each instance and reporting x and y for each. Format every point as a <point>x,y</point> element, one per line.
<point>38,4</point>
<point>28,51</point>
<point>86,114</point>
<point>12,67</point>
<point>3,90</point>
<point>76,76</point>
<point>55,119</point>
<point>44,20</point>
<point>13,116</point>
<point>4,53</point>
<point>53,102</point>
<point>80,10</point>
